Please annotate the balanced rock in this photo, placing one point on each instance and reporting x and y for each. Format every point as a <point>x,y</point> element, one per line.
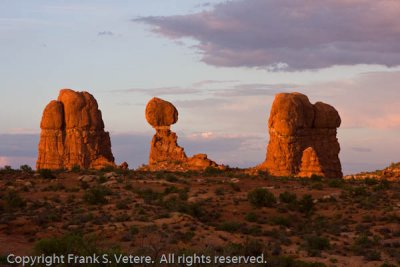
<point>161,113</point>
<point>164,148</point>
<point>72,134</point>
<point>165,153</point>
<point>302,138</point>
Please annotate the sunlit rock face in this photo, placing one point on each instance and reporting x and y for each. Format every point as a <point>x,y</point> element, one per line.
<point>72,134</point>
<point>302,138</point>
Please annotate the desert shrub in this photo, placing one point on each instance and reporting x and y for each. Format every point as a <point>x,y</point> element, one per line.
<point>229,226</point>
<point>26,168</point>
<point>335,183</point>
<point>171,189</point>
<point>252,247</point>
<point>358,191</point>
<point>251,217</point>
<point>84,185</point>
<point>315,244</point>
<point>211,171</point>
<point>149,195</point>
<point>97,195</point>
<point>261,197</point>
<point>46,174</point>
<point>235,187</point>
<point>122,204</point>
<point>219,191</point>
<point>372,255</point>
<point>316,178</point>
<point>13,201</point>
<point>370,181</point>
<point>73,243</point>
<point>76,168</point>
<point>287,197</point>
<point>306,204</point>
<point>280,220</point>
<point>263,174</point>
<point>170,177</point>
<point>363,244</point>
<point>7,169</point>
<point>133,230</point>
<point>109,168</point>
<point>382,185</point>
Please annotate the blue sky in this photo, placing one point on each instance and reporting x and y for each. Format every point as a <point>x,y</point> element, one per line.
<point>216,62</point>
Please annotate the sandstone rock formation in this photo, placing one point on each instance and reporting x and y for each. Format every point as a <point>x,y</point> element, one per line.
<point>391,173</point>
<point>302,138</point>
<point>165,153</point>
<point>72,134</point>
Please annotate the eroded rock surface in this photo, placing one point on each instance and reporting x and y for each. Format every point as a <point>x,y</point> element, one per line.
<point>72,134</point>
<point>302,138</point>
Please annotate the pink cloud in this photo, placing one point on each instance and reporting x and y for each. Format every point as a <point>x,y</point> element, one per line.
<point>303,34</point>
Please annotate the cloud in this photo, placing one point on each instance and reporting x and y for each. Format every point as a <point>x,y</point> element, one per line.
<point>292,35</point>
<point>105,33</point>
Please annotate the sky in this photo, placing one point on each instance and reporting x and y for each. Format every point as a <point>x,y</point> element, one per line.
<point>219,62</point>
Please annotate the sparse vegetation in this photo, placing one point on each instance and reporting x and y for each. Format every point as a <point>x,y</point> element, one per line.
<point>97,195</point>
<point>261,197</point>
<point>46,174</point>
<point>314,217</point>
<point>13,201</point>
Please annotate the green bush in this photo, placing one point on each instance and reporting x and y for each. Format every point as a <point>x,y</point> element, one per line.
<point>229,226</point>
<point>280,220</point>
<point>251,217</point>
<point>46,173</point>
<point>74,243</point>
<point>26,168</point>
<point>261,197</point>
<point>211,171</point>
<point>335,183</point>
<point>363,244</point>
<point>76,168</point>
<point>306,204</point>
<point>316,178</point>
<point>315,244</point>
<point>13,201</point>
<point>287,197</point>
<point>97,195</point>
<point>149,195</point>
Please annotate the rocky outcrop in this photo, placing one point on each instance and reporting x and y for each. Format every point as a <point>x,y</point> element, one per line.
<point>165,153</point>
<point>72,134</point>
<point>310,164</point>
<point>302,138</point>
<point>391,173</point>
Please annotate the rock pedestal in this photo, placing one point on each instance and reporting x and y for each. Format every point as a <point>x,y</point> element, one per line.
<point>302,138</point>
<point>72,134</point>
